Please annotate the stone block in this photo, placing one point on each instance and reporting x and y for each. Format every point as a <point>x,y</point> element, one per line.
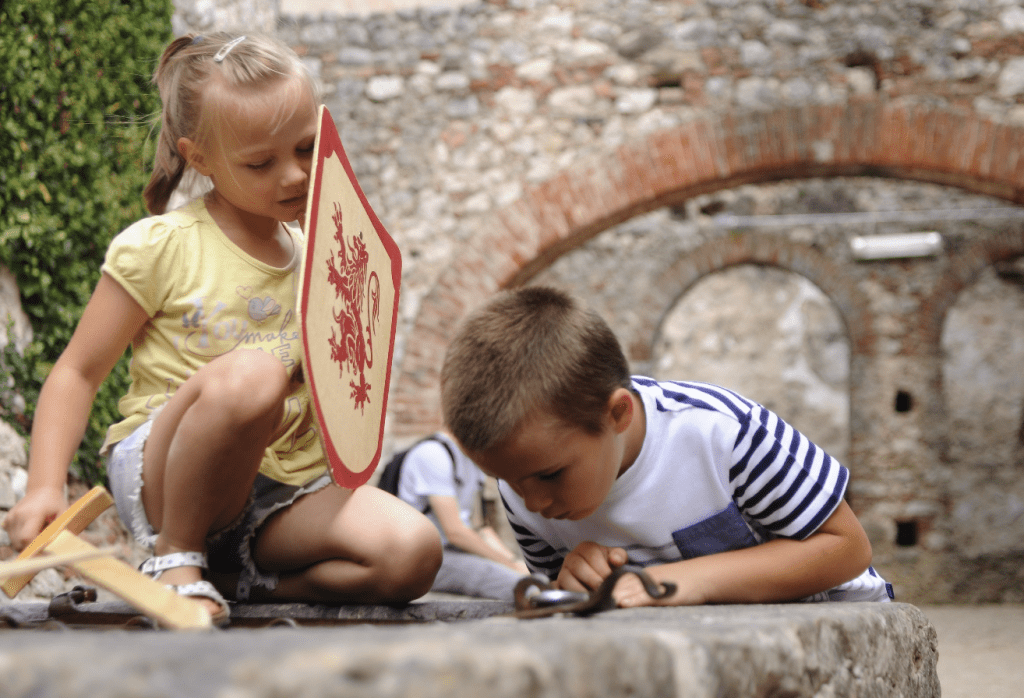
<point>866,650</point>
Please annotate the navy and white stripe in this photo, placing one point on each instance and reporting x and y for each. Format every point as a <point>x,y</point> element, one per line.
<point>538,554</point>
<point>779,478</point>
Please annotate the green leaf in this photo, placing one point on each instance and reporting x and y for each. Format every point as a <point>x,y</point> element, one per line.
<point>74,87</point>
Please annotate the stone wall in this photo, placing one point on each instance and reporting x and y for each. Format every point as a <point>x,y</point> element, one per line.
<point>771,333</point>
<point>516,142</point>
<point>527,141</point>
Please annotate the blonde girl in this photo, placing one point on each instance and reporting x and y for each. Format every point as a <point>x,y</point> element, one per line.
<point>217,465</point>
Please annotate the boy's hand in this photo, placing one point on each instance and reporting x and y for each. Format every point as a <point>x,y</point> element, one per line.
<point>588,565</point>
<point>629,591</point>
<point>32,513</point>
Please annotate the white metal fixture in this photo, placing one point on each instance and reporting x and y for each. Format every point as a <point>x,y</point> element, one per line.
<point>896,246</point>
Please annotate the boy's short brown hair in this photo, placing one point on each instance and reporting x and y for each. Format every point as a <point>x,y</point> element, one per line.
<point>530,350</point>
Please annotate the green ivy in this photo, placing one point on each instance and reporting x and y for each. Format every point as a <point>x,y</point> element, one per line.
<point>76,107</point>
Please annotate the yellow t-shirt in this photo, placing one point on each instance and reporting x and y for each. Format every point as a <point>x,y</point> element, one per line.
<point>206,297</point>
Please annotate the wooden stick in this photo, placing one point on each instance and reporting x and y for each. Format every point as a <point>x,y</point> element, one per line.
<point>74,519</point>
<point>150,597</point>
<point>45,561</point>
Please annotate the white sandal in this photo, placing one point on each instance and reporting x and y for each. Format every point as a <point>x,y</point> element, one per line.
<point>157,565</point>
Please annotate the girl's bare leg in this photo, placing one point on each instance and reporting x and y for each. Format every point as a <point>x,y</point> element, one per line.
<point>350,546</point>
<point>205,448</point>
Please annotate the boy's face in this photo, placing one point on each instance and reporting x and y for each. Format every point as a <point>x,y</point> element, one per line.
<point>560,471</point>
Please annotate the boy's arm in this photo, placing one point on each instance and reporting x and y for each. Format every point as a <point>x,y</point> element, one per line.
<point>108,323</point>
<point>492,538</point>
<point>446,509</point>
<point>783,569</point>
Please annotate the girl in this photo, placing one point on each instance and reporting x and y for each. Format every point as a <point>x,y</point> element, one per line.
<point>217,461</point>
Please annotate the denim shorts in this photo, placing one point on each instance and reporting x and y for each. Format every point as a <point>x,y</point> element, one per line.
<point>229,550</point>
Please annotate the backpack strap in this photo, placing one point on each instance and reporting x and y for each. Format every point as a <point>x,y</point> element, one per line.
<point>455,474</point>
<point>451,455</point>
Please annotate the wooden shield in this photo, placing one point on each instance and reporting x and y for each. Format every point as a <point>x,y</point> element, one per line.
<point>348,311</point>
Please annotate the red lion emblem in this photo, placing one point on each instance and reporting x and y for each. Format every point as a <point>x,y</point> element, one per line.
<point>347,272</point>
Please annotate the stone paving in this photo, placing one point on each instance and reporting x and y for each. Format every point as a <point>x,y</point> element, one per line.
<point>836,649</point>
<point>980,649</point>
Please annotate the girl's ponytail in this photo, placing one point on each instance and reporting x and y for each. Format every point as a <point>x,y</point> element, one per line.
<point>168,168</point>
<point>168,165</point>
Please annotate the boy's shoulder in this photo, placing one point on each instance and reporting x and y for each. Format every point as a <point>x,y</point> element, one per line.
<point>676,396</point>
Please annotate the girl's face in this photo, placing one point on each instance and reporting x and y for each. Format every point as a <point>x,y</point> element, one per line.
<point>260,151</point>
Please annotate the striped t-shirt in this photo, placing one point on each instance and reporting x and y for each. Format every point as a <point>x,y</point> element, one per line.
<point>716,472</point>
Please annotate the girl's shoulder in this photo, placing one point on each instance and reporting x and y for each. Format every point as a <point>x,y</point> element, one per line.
<point>164,228</point>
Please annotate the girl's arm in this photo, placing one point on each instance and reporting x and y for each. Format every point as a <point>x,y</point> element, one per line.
<point>778,570</point>
<point>110,320</point>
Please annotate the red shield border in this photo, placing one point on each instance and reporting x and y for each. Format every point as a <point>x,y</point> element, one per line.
<point>346,445</point>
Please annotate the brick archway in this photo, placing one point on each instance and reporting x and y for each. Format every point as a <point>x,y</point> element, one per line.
<point>663,292</point>
<point>964,268</point>
<point>869,137</point>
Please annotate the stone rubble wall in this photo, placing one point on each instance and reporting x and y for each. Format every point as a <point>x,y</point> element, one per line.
<point>450,114</point>
<point>453,117</point>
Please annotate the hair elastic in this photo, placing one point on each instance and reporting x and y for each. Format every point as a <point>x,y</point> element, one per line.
<point>226,49</point>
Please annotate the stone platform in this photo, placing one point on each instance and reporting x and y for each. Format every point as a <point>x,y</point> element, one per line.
<point>453,649</point>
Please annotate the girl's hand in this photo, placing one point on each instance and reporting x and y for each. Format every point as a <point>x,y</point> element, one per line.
<point>588,565</point>
<point>32,513</point>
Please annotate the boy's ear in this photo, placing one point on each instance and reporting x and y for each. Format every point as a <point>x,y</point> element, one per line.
<point>622,409</point>
<point>193,155</point>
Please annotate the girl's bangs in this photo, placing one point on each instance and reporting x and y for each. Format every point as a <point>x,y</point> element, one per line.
<point>226,105</point>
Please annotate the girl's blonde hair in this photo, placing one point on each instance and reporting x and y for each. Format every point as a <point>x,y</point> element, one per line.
<point>187,68</point>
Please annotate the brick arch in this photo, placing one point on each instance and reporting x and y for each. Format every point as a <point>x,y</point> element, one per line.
<point>664,291</point>
<point>870,137</point>
<point>963,270</point>
<point>925,342</point>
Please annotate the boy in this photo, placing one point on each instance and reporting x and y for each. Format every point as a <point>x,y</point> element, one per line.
<point>691,481</point>
<point>438,479</point>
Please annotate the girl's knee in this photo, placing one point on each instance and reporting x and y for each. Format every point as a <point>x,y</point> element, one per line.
<point>249,384</point>
<point>374,548</point>
<point>409,562</point>
<point>400,566</point>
